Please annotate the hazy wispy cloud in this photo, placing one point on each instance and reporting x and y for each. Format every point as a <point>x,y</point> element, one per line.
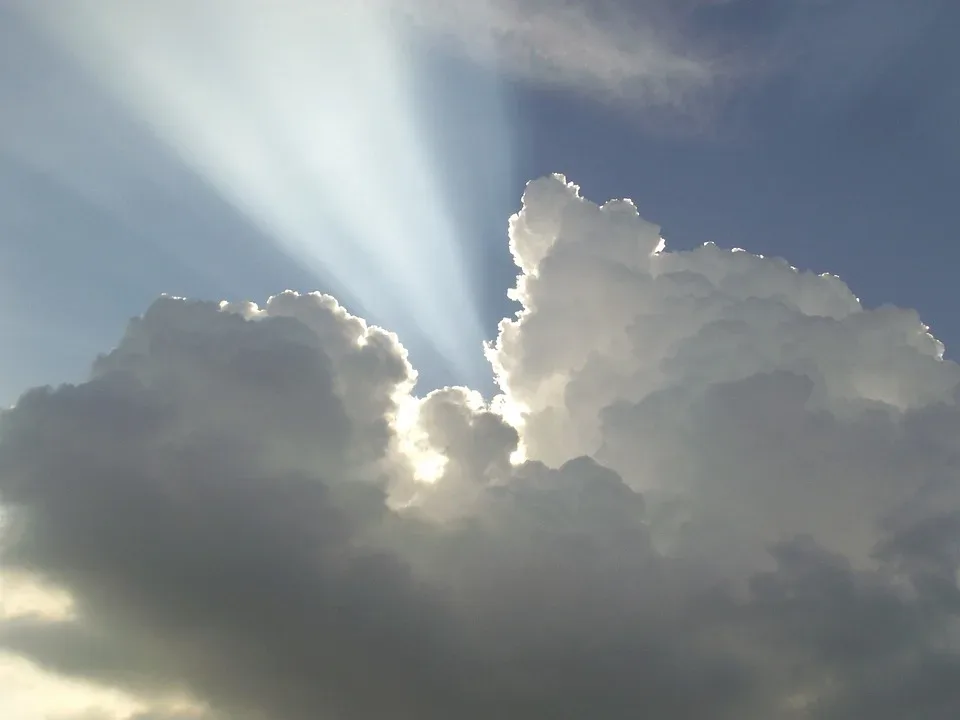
<point>714,487</point>
<point>625,52</point>
<point>689,57</point>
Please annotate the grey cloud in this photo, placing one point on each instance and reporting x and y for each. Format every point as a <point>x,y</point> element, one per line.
<point>224,573</point>
<point>203,556</point>
<point>739,500</point>
<point>147,715</point>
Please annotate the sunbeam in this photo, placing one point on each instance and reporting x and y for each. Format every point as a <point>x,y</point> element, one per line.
<point>298,113</point>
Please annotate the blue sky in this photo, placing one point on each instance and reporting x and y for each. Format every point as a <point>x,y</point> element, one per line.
<point>833,143</point>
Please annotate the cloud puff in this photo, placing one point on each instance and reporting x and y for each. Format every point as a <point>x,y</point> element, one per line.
<point>738,501</point>
<point>719,378</point>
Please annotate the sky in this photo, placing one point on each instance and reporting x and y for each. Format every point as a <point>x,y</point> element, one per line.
<point>840,157</point>
<point>344,380</point>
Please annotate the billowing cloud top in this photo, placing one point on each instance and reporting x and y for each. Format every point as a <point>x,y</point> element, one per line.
<point>713,487</point>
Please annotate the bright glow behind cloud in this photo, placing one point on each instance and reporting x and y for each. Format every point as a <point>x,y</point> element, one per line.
<point>298,114</point>
<point>740,502</point>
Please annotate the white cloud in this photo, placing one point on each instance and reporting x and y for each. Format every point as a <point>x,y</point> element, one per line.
<point>740,501</point>
<point>728,377</point>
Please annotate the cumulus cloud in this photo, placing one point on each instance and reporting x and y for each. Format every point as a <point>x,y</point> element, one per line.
<point>706,374</point>
<point>713,487</point>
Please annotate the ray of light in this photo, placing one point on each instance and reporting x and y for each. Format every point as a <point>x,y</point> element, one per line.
<point>297,112</point>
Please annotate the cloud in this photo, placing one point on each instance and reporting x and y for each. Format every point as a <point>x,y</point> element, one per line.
<point>704,374</point>
<point>682,61</point>
<point>739,500</point>
<point>605,49</point>
<point>146,715</point>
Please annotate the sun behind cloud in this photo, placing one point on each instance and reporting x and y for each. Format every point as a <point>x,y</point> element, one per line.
<point>713,486</point>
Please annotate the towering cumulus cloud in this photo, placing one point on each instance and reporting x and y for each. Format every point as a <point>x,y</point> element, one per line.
<point>714,487</point>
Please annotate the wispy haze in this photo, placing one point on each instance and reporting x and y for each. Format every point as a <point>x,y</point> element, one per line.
<point>625,53</point>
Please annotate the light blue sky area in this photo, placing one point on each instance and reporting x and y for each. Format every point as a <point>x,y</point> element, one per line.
<point>841,156</point>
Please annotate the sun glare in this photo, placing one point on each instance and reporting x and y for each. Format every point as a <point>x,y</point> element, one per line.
<point>427,462</point>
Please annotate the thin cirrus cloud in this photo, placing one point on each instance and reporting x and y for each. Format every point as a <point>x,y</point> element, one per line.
<point>687,57</point>
<point>607,49</point>
<point>713,486</point>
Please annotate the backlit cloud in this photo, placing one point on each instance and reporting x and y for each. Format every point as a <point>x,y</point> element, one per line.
<point>738,500</point>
